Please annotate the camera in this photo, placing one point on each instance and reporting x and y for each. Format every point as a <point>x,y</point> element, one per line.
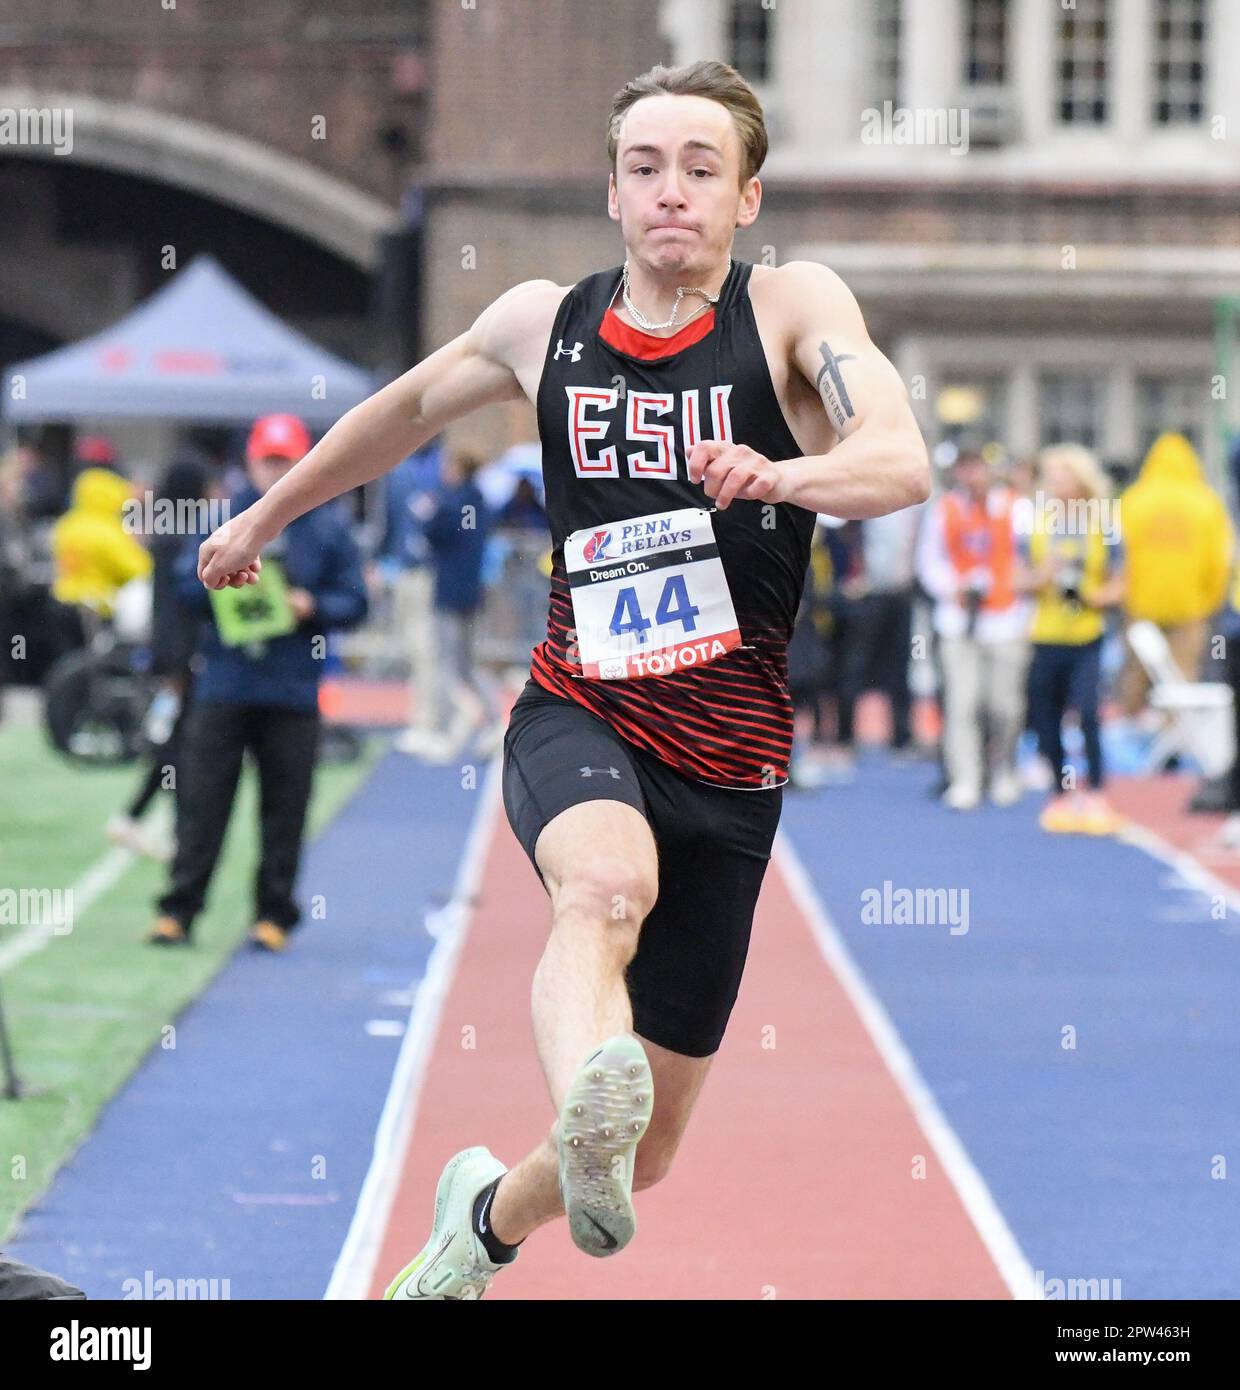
<point>1068,579</point>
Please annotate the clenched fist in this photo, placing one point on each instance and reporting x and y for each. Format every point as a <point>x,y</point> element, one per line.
<point>728,471</point>
<point>228,558</point>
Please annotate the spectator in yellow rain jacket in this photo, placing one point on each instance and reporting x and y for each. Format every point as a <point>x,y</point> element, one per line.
<point>94,554</point>
<point>1177,544</point>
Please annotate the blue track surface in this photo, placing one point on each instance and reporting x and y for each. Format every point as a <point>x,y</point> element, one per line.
<point>240,1154</point>
<point>1099,1157</point>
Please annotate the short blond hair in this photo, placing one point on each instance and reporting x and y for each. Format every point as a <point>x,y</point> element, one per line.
<point>1081,462</point>
<point>711,79</point>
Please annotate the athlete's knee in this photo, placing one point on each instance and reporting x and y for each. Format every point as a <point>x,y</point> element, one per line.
<point>606,890</point>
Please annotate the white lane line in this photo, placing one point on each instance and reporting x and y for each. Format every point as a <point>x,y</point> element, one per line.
<point>1196,877</point>
<point>96,881</point>
<point>970,1186</point>
<point>355,1266</point>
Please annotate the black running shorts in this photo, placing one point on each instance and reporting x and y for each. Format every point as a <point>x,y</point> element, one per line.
<point>713,848</point>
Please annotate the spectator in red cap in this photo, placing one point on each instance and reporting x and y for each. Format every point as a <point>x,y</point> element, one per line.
<point>94,451</point>
<point>256,688</point>
<point>277,437</point>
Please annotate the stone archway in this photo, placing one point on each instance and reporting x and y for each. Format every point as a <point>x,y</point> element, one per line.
<point>215,163</point>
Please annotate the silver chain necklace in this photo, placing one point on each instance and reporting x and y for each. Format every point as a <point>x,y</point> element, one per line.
<point>643,322</point>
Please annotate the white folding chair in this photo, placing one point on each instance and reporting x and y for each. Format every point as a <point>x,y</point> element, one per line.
<point>1199,713</point>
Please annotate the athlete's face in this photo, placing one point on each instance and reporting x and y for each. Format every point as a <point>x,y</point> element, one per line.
<point>676,187</point>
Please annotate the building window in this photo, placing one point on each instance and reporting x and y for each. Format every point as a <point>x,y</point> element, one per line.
<point>1083,58</point>
<point>749,39</point>
<point>1070,410</point>
<point>887,20</point>
<point>985,51</point>
<point>1180,34</point>
<point>1179,403</point>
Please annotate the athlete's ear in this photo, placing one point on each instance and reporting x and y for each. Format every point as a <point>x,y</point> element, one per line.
<point>613,198</point>
<point>751,201</point>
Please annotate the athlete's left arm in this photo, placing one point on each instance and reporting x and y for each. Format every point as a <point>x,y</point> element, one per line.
<point>879,462</point>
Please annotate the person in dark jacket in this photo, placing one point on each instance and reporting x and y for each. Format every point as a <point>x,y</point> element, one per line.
<point>182,493</point>
<point>257,686</point>
<point>456,523</point>
<point>1227,626</point>
<point>523,510</point>
<point>403,566</point>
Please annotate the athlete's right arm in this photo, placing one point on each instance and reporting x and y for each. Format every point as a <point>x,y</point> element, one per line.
<point>473,370</point>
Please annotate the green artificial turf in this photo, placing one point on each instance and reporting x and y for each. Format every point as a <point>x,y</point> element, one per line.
<point>83,1011</point>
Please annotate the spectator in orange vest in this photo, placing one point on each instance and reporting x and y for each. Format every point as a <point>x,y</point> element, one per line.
<point>966,562</point>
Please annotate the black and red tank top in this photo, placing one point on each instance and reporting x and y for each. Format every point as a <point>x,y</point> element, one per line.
<point>618,412</point>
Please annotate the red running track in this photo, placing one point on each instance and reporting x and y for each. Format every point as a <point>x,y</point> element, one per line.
<point>794,1179</point>
<point>1160,804</point>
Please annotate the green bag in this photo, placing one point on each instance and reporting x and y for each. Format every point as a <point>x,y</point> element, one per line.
<point>254,614</point>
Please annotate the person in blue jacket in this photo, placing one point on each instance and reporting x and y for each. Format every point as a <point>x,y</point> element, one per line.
<point>403,568</point>
<point>457,524</point>
<point>259,659</point>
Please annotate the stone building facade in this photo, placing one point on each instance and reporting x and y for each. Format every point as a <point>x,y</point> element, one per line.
<point>1052,270</point>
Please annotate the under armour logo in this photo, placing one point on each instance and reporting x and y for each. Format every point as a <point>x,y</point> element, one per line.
<point>590,771</point>
<point>573,353</point>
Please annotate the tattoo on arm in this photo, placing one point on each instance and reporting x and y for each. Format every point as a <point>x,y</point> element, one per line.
<point>831,388</point>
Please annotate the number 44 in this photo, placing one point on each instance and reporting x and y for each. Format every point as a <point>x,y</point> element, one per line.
<point>673,607</point>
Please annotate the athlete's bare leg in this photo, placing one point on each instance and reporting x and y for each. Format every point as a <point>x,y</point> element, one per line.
<point>600,866</point>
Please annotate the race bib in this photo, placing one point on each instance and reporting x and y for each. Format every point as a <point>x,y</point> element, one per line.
<point>649,595</point>
<point>256,612</point>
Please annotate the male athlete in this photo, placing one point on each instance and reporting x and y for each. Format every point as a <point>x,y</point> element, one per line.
<point>695,413</point>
